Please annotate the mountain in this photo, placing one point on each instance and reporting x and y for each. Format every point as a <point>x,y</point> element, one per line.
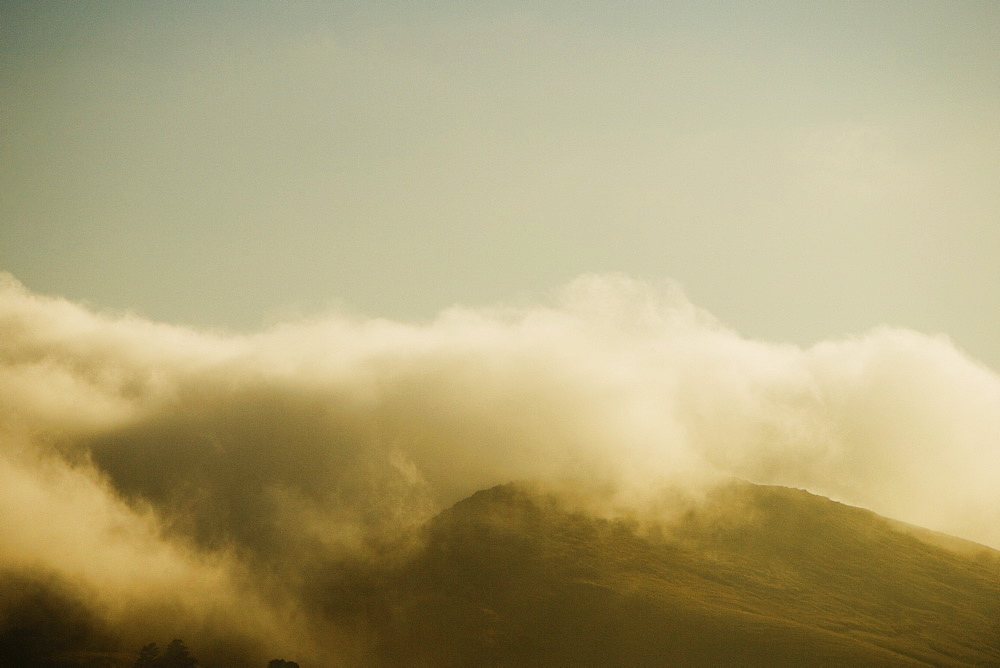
<point>754,576</point>
<point>517,576</point>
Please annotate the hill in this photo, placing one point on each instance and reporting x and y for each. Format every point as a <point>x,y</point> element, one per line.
<point>755,576</point>
<point>514,576</point>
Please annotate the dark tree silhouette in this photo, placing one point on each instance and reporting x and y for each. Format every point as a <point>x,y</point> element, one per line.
<point>281,663</point>
<point>148,656</point>
<point>176,656</point>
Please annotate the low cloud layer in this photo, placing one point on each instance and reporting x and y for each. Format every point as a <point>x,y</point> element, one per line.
<point>161,469</point>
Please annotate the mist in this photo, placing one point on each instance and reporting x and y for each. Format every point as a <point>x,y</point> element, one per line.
<point>203,480</point>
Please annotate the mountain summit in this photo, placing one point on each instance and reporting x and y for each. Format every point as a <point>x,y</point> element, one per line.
<point>755,575</point>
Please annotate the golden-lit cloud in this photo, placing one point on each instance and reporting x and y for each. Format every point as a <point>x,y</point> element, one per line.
<point>157,467</point>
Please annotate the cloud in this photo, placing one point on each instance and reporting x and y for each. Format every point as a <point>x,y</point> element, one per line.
<point>165,469</point>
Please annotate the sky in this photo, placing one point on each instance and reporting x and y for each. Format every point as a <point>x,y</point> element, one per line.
<point>804,170</point>
<point>281,281</point>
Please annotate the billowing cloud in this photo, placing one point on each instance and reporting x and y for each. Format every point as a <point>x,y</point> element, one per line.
<point>195,476</point>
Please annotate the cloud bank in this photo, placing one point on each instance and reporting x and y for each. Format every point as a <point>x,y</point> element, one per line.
<point>165,473</point>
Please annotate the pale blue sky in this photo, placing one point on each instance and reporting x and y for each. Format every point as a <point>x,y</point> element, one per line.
<point>804,170</point>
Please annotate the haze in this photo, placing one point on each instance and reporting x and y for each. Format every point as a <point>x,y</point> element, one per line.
<point>281,281</point>
<point>805,170</point>
<point>151,465</point>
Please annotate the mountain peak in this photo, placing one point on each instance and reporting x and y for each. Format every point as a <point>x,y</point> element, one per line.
<point>749,574</point>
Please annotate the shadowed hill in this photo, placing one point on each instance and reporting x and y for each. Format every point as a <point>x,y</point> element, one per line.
<point>755,576</point>
<point>751,575</point>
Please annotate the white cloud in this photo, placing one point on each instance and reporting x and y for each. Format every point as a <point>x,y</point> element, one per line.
<point>147,444</point>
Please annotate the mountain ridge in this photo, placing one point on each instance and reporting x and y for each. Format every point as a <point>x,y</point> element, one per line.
<point>774,576</point>
<point>523,574</point>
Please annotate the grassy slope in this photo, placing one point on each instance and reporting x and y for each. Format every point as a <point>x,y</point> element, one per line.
<point>754,576</point>
<point>759,576</point>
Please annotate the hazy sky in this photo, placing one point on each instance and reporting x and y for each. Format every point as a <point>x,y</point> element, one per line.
<point>803,169</point>
<point>819,174</point>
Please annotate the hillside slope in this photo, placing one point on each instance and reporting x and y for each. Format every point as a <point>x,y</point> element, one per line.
<point>756,576</point>
<point>512,576</point>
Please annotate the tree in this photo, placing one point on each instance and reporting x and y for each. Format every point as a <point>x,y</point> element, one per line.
<point>176,656</point>
<point>148,656</point>
<point>281,663</point>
